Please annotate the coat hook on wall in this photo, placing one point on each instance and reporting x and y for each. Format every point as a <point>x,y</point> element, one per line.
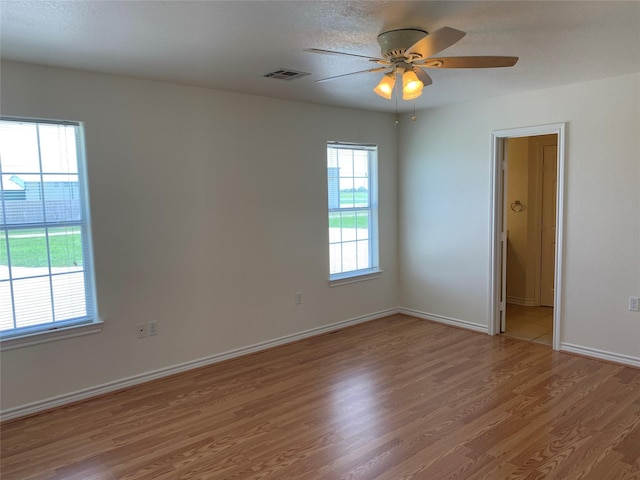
<point>517,206</point>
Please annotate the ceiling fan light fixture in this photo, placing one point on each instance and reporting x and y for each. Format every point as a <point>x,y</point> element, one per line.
<point>411,85</point>
<point>407,51</point>
<point>385,87</point>
<point>411,96</point>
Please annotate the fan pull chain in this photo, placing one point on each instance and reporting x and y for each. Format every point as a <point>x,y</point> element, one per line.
<point>414,110</point>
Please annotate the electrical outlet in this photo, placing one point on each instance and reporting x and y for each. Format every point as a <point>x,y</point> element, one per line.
<point>142,331</point>
<point>152,328</point>
<point>634,304</point>
<point>298,298</point>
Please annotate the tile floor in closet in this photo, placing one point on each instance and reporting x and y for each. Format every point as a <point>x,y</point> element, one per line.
<point>534,324</point>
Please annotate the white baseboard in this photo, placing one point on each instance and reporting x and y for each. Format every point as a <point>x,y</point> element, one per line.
<point>525,302</point>
<point>601,354</point>
<point>477,327</point>
<point>86,393</point>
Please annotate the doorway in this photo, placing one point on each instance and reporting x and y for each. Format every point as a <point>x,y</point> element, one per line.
<point>530,222</point>
<point>527,233</point>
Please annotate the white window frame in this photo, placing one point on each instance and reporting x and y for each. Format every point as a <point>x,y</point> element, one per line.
<point>72,327</point>
<point>373,270</point>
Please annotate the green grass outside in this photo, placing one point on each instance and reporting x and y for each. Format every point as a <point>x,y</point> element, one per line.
<point>351,198</point>
<point>349,220</point>
<point>65,250</point>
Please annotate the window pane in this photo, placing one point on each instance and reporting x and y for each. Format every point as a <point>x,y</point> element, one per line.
<point>65,245</point>
<point>345,163</point>
<point>346,193</point>
<point>362,225</point>
<point>333,187</point>
<point>61,197</point>
<point>22,199</point>
<point>19,147</point>
<point>6,310</point>
<point>348,226</point>
<point>4,260</point>
<point>335,258</point>
<point>28,252</point>
<point>361,164</point>
<point>32,297</point>
<point>58,149</point>
<point>334,227</point>
<point>13,188</point>
<point>363,254</point>
<point>361,192</point>
<point>332,158</point>
<point>349,257</point>
<point>69,296</point>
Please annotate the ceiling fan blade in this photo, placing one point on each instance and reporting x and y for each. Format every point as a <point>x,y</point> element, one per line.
<point>468,62</point>
<point>371,70</point>
<point>436,42</point>
<point>331,52</point>
<point>422,76</point>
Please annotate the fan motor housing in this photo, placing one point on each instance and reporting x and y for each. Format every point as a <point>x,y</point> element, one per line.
<point>394,43</point>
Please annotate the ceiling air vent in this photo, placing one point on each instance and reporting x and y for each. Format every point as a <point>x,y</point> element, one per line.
<point>283,74</point>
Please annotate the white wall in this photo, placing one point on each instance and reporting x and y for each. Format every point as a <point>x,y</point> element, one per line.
<point>445,174</point>
<point>209,213</point>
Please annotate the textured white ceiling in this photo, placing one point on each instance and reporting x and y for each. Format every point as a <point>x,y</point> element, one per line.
<point>230,45</point>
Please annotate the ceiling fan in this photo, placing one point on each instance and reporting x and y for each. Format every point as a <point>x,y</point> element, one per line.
<point>408,51</point>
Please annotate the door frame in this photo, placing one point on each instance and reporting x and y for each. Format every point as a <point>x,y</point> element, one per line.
<point>498,141</point>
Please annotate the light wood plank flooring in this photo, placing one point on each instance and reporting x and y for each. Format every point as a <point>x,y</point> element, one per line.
<point>396,398</point>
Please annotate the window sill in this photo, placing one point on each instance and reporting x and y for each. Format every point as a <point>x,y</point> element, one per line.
<point>346,279</point>
<point>36,338</point>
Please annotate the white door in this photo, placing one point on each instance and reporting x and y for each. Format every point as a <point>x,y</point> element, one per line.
<point>548,240</point>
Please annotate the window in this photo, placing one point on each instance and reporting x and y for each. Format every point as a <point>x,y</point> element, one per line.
<point>46,280</point>
<point>353,210</point>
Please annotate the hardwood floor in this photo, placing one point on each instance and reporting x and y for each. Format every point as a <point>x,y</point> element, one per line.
<point>396,398</point>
